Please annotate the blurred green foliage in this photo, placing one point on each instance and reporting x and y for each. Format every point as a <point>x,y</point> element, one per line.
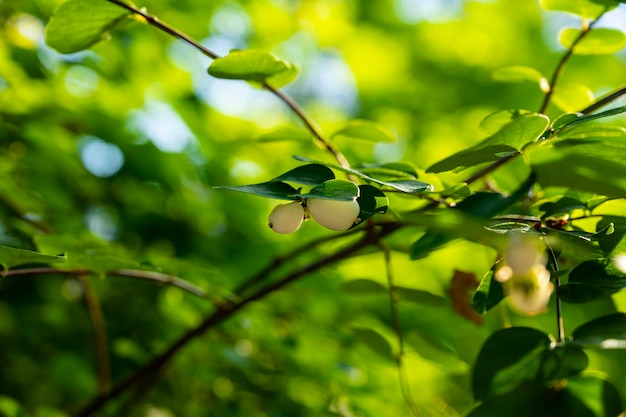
<point>110,156</point>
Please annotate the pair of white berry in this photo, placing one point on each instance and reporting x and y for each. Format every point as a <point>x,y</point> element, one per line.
<point>332,214</point>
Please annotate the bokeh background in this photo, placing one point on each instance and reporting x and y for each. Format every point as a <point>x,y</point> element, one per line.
<point>116,150</point>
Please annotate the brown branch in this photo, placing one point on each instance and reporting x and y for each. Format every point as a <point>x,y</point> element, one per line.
<point>100,334</point>
<point>220,315</point>
<point>281,95</point>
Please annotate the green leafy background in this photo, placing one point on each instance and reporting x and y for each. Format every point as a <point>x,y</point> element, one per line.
<point>324,346</point>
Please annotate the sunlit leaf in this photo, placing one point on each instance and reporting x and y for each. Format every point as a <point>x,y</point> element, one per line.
<point>375,341</point>
<point>521,73</point>
<point>572,97</point>
<point>250,65</point>
<point>585,8</point>
<point>333,190</point>
<point>285,134</point>
<point>598,41</point>
<point>366,130</point>
<point>573,119</point>
<point>11,257</point>
<point>509,139</point>
<point>78,24</point>
<point>488,295</point>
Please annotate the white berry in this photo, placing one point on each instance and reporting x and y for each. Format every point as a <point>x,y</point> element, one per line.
<point>286,218</point>
<point>334,214</point>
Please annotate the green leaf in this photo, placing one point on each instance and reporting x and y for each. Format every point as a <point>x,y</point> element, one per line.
<point>250,65</point>
<point>272,189</point>
<point>562,206</point>
<point>607,332</point>
<point>420,297</point>
<point>366,130</point>
<point>598,41</point>
<point>371,201</point>
<point>572,97</point>
<point>405,187</point>
<point>390,170</point>
<point>592,280</point>
<point>78,24</point>
<point>481,205</point>
<point>572,119</point>
<point>375,341</point>
<point>614,243</point>
<point>515,348</point>
<point>285,134</point>
<point>363,286</point>
<point>586,396</point>
<point>509,139</point>
<point>584,8</point>
<point>488,294</point>
<point>522,73</point>
<point>311,174</point>
<point>11,257</point>
<point>595,164</point>
<point>333,190</point>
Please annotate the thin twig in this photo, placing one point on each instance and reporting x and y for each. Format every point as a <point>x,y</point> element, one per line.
<point>561,64</point>
<point>128,273</point>
<point>281,95</point>
<point>100,334</point>
<point>557,285</point>
<point>220,315</point>
<point>13,209</point>
<point>394,298</point>
<point>603,101</point>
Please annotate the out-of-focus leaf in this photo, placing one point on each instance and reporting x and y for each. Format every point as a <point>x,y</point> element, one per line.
<point>311,174</point>
<point>367,286</point>
<point>273,189</point>
<point>374,341</point>
<point>363,286</point>
<point>78,24</point>
<point>561,206</point>
<point>572,97</point>
<point>511,138</point>
<point>488,294</point>
<point>595,164</point>
<point>420,297</point>
<point>510,357</point>
<point>250,65</point>
<point>366,130</point>
<point>591,280</point>
<point>598,41</point>
<point>584,8</point>
<point>285,134</point>
<point>522,73</point>
<point>607,332</point>
<point>11,257</point>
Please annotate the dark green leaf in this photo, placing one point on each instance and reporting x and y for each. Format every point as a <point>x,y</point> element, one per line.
<point>390,169</point>
<point>374,341</point>
<point>363,286</point>
<point>368,286</point>
<point>488,294</point>
<point>607,332</point>
<point>311,174</point>
<point>249,65</point>
<point>586,396</point>
<point>598,41</point>
<point>516,349</point>
<point>366,130</point>
<point>562,206</point>
<point>371,201</point>
<point>333,190</point>
<point>10,257</point>
<point>615,242</point>
<point>511,138</point>
<point>592,280</point>
<point>285,134</point>
<point>78,24</point>
<point>278,190</point>
<point>420,297</point>
<point>573,119</point>
<point>410,187</point>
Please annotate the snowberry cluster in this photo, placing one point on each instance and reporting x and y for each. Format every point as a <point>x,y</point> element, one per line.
<point>332,214</point>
